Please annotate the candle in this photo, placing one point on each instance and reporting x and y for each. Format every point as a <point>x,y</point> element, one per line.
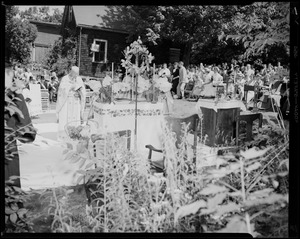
<point>153,91</point>
<point>131,87</point>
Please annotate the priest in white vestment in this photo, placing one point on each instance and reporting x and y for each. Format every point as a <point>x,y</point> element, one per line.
<point>70,102</point>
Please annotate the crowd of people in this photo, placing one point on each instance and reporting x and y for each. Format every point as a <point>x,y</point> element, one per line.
<point>47,81</point>
<point>205,78</point>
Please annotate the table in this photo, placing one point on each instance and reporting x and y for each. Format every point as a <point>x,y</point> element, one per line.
<point>121,116</point>
<point>218,120</point>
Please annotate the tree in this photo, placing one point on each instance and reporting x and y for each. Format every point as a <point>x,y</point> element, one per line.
<point>62,55</point>
<point>42,14</point>
<point>19,36</point>
<point>183,25</point>
<point>190,24</point>
<point>136,20</point>
<point>260,25</point>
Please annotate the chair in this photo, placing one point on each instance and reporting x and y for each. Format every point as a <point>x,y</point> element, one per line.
<point>91,186</point>
<point>249,119</point>
<point>248,88</point>
<point>176,126</point>
<point>188,89</point>
<point>88,97</point>
<point>99,138</point>
<point>45,99</point>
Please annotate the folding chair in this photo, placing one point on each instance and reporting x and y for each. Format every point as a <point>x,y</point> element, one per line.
<point>249,119</point>
<point>45,99</point>
<point>176,126</point>
<point>188,89</point>
<point>98,144</point>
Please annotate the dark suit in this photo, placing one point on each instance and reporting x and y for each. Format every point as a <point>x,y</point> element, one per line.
<point>16,127</point>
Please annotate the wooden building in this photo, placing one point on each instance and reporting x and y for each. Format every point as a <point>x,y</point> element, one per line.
<point>98,45</point>
<point>47,34</point>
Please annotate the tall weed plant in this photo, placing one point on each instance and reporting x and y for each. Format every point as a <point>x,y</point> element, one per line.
<point>236,194</point>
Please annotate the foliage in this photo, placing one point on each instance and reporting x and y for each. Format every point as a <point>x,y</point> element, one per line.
<point>42,14</point>
<point>62,55</point>
<point>197,27</point>
<point>236,193</point>
<point>216,52</point>
<point>186,25</point>
<point>259,25</point>
<point>245,191</point>
<point>19,36</point>
<point>15,197</point>
<point>136,20</point>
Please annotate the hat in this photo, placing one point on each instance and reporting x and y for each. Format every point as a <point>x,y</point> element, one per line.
<point>75,69</point>
<point>47,77</point>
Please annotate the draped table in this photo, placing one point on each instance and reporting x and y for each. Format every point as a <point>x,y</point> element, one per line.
<point>218,120</point>
<point>120,116</point>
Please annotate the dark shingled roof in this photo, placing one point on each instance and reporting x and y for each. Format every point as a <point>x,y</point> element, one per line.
<point>91,16</point>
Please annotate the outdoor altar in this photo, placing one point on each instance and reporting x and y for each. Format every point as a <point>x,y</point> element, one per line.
<point>137,103</point>
<point>121,116</point>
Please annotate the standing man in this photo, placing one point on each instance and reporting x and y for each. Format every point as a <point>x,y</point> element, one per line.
<point>249,73</point>
<point>70,102</point>
<point>175,79</point>
<point>182,80</point>
<point>164,72</point>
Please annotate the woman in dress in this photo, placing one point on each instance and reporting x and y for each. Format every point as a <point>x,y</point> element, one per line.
<point>70,102</point>
<point>208,90</point>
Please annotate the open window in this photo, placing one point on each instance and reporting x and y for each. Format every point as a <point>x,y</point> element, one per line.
<point>99,49</point>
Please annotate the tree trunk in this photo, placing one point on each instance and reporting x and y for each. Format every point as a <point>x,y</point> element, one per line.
<point>187,53</point>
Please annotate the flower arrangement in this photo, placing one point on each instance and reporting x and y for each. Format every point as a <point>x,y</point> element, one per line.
<point>136,62</point>
<point>162,84</point>
<point>143,85</point>
<point>78,133</point>
<point>137,52</point>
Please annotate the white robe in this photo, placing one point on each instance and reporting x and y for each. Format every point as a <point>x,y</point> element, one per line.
<point>69,107</point>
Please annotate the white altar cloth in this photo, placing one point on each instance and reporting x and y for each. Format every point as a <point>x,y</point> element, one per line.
<point>121,116</point>
<point>221,104</point>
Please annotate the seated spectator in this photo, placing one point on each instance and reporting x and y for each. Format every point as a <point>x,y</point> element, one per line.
<point>217,78</point>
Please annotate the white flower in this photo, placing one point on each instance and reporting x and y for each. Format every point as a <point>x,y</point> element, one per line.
<point>116,87</point>
<point>127,79</point>
<point>107,81</point>
<point>125,87</point>
<point>95,85</point>
<point>143,84</point>
<point>85,132</point>
<point>162,84</point>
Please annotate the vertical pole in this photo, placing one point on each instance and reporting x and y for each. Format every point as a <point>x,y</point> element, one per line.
<point>153,90</point>
<point>131,88</point>
<point>136,94</point>
<point>112,76</point>
<point>79,53</point>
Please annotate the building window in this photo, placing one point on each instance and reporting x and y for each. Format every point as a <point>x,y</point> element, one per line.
<point>99,49</point>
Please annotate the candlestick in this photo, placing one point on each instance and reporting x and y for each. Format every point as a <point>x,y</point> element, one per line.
<point>131,86</point>
<point>112,70</point>
<point>153,90</point>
